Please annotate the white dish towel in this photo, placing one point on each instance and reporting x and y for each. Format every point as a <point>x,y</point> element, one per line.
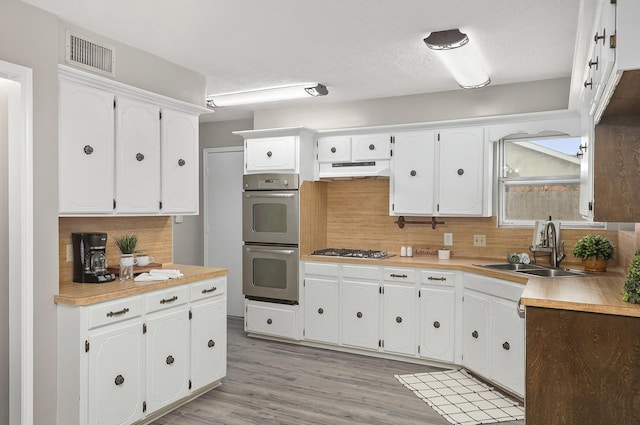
<point>158,275</point>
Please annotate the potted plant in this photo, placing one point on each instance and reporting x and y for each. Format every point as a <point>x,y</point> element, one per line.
<point>595,251</point>
<point>631,292</point>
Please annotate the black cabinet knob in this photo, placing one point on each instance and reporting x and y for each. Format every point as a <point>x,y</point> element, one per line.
<point>474,334</point>
<point>372,147</point>
<point>506,346</point>
<point>269,321</point>
<point>119,380</point>
<point>181,162</point>
<point>333,150</point>
<point>139,156</point>
<point>170,359</point>
<point>320,310</point>
<point>269,154</point>
<point>211,343</point>
<point>460,171</point>
<point>398,319</point>
<point>88,149</point>
<point>359,315</point>
<point>436,324</point>
<point>413,173</point>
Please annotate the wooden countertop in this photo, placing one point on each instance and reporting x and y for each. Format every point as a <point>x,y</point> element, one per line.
<point>595,293</point>
<point>91,293</point>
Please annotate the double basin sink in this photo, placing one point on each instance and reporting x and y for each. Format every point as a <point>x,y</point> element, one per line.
<point>536,270</point>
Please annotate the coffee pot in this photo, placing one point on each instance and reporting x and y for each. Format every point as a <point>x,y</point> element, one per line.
<point>90,259</point>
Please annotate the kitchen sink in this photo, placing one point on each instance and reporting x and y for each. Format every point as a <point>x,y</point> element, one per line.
<point>535,270</point>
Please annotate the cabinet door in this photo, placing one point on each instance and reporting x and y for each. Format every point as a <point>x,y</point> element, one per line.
<point>370,146</point>
<point>360,313</point>
<point>475,333</point>
<point>271,154</point>
<point>399,318</point>
<point>167,358</point>
<point>208,342</point>
<point>438,326</point>
<point>334,149</point>
<point>137,157</point>
<point>115,374</point>
<point>321,315</point>
<point>179,163</point>
<point>86,149</point>
<point>413,173</point>
<point>507,346</point>
<point>461,183</point>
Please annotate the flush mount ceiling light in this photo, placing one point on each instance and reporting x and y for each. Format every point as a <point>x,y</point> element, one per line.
<point>460,58</point>
<point>271,94</point>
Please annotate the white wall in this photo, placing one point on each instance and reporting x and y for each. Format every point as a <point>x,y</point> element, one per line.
<point>506,99</point>
<point>188,236</point>
<point>4,258</point>
<point>31,38</point>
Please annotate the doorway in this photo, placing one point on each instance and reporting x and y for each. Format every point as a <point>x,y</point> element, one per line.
<point>16,285</point>
<point>223,170</point>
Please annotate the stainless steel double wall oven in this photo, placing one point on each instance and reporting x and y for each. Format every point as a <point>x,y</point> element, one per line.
<point>271,234</point>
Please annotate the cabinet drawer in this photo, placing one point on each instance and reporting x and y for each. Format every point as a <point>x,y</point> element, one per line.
<point>437,277</point>
<point>399,275</point>
<point>167,298</point>
<point>114,311</point>
<point>276,320</point>
<point>362,272</point>
<point>322,269</point>
<point>334,149</point>
<point>208,288</point>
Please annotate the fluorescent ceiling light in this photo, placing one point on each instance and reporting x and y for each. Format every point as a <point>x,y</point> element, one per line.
<point>459,57</point>
<point>271,94</point>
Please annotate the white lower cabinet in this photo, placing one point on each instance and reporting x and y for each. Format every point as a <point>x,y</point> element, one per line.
<point>437,317</point>
<point>507,345</point>
<point>321,312</point>
<point>360,311</point>
<point>279,320</point>
<point>399,311</point>
<point>120,361</point>
<point>475,332</point>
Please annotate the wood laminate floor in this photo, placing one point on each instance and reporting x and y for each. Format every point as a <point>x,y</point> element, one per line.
<point>286,384</point>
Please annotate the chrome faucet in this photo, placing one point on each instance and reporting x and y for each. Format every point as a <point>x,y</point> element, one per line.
<point>552,242</point>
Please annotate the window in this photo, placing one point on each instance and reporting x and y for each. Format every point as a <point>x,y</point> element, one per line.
<point>538,178</point>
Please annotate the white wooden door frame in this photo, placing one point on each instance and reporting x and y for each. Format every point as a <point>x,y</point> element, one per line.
<point>20,161</point>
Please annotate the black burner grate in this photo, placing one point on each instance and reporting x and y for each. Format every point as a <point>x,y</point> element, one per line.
<point>351,253</point>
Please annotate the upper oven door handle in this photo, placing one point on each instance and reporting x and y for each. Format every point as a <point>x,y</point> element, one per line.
<point>269,195</point>
<point>270,251</point>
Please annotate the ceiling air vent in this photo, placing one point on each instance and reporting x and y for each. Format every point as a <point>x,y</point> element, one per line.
<point>89,55</point>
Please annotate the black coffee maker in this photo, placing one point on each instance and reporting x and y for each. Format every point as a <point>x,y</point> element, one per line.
<point>90,259</point>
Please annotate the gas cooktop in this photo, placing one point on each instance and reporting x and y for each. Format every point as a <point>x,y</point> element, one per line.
<point>351,253</point>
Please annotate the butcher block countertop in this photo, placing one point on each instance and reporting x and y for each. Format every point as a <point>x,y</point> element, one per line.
<point>595,293</point>
<point>82,294</point>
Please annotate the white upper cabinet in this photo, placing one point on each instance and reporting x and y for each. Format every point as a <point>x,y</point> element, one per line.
<point>371,146</point>
<point>461,175</point>
<point>86,155</point>
<point>137,157</point>
<point>441,172</point>
<point>334,149</point>
<point>353,156</point>
<point>413,173</point>
<point>271,154</point>
<point>179,155</point>
<point>119,155</point>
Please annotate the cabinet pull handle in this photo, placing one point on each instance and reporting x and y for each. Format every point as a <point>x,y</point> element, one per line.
<point>269,154</point>
<point>211,343</point>
<point>333,149</point>
<point>170,359</point>
<point>474,334</point>
<point>591,63</point>
<point>600,37</point>
<point>460,171</point>
<point>320,310</point>
<point>588,83</point>
<point>88,149</point>
<point>404,276</point>
<point>269,321</point>
<point>579,154</point>
<point>139,156</point>
<point>359,315</point>
<point>413,173</point>
<point>506,346</point>
<point>119,380</point>
<point>212,289</point>
<point>181,162</point>
<point>436,324</point>
<point>169,300</point>
<point>442,279</point>
<point>118,313</point>
<point>372,147</point>
<point>398,319</point>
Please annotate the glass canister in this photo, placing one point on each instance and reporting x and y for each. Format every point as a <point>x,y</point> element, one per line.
<point>126,266</point>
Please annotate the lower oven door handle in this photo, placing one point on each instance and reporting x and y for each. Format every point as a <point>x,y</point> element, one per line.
<point>270,251</point>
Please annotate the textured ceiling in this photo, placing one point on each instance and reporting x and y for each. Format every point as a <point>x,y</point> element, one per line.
<point>360,49</point>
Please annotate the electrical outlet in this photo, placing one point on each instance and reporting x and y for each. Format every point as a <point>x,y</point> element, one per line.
<point>69,253</point>
<point>448,239</point>
<point>479,240</point>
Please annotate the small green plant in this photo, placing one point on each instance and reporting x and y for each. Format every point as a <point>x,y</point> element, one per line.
<point>127,244</point>
<point>594,246</point>
<point>631,292</point>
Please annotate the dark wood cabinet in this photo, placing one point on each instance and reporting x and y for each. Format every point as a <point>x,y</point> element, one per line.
<point>582,368</point>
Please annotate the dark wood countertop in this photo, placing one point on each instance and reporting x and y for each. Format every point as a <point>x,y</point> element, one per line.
<point>81,294</point>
